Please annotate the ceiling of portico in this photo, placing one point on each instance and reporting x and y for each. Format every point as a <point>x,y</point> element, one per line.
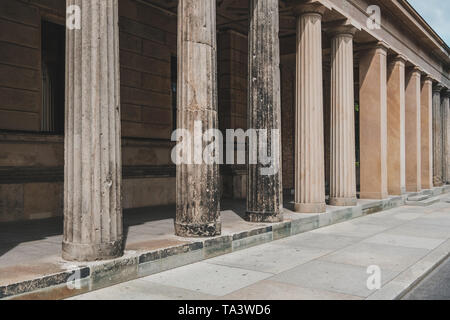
<point>234,14</point>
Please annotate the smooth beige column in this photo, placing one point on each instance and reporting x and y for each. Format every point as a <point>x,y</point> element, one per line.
<point>343,167</point>
<point>197,189</point>
<point>445,135</point>
<point>426,117</point>
<point>309,135</point>
<point>396,126</point>
<point>265,190</point>
<point>92,178</point>
<point>413,132</point>
<point>373,122</point>
<point>437,137</point>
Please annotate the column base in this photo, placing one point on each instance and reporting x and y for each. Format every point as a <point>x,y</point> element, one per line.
<point>310,207</point>
<point>373,195</point>
<point>198,230</point>
<point>437,182</point>
<point>268,217</point>
<point>343,202</point>
<point>92,252</point>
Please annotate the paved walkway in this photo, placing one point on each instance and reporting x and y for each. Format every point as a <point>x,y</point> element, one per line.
<point>328,263</point>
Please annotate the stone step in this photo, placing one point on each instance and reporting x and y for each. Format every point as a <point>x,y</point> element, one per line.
<point>423,203</point>
<point>427,192</point>
<point>419,197</point>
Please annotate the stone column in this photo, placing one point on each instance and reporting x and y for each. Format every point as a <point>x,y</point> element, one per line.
<point>343,162</point>
<point>197,189</point>
<point>445,135</point>
<point>92,178</point>
<point>413,132</point>
<point>327,120</point>
<point>426,116</point>
<point>396,126</point>
<point>265,189</point>
<point>309,135</point>
<point>373,122</point>
<point>437,137</point>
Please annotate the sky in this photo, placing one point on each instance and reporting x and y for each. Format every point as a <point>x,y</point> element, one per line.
<point>436,13</point>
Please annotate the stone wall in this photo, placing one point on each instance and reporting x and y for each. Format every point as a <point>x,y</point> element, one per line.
<point>233,84</point>
<point>232,81</point>
<point>32,175</point>
<point>148,41</point>
<point>288,119</point>
<point>31,163</point>
<point>20,63</point>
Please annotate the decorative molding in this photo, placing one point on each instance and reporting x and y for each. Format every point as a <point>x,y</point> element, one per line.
<point>19,175</point>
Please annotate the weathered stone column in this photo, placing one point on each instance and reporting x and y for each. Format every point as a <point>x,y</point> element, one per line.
<point>265,189</point>
<point>197,189</point>
<point>437,137</point>
<point>413,132</point>
<point>309,135</point>
<point>396,126</point>
<point>426,116</point>
<point>92,178</point>
<point>445,135</point>
<point>343,167</point>
<point>373,122</point>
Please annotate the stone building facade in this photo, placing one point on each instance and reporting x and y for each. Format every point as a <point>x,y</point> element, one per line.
<point>361,100</point>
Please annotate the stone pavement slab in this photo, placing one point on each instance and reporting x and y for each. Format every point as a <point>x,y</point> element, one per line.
<point>421,230</point>
<point>351,229</point>
<point>274,290</point>
<point>318,240</point>
<point>270,258</point>
<point>336,277</point>
<point>387,257</point>
<point>404,241</point>
<point>143,290</point>
<point>208,278</point>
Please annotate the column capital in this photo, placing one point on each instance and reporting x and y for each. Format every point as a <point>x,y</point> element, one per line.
<point>381,46</point>
<point>427,77</point>
<point>400,58</point>
<point>446,92</point>
<point>437,88</point>
<point>342,30</point>
<point>301,7</point>
<point>415,70</point>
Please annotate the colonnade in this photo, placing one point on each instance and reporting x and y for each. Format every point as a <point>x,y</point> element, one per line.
<point>404,121</point>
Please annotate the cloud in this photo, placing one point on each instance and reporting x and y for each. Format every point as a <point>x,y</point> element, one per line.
<point>435,12</point>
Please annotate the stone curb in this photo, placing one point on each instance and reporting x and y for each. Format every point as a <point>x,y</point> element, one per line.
<point>134,265</point>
